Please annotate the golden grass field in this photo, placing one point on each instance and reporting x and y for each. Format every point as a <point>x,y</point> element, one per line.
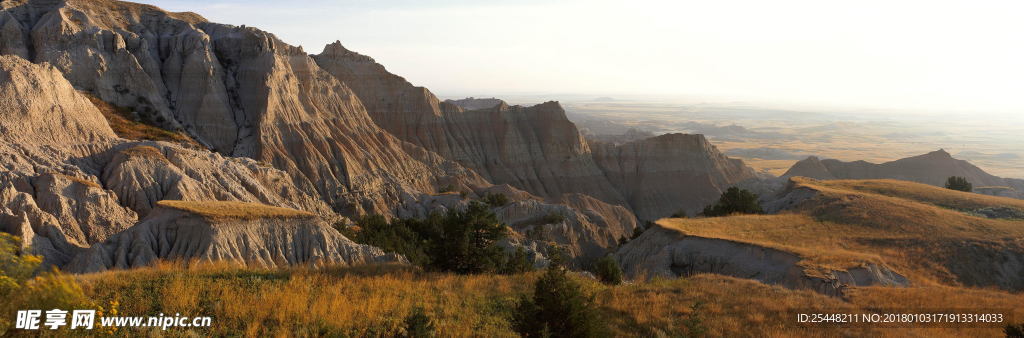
<point>373,300</point>
<point>918,230</point>
<point>233,210</point>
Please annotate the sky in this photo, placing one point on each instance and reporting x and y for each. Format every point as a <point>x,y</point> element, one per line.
<point>908,55</point>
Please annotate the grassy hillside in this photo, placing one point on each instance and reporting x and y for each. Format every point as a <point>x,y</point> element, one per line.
<point>373,301</point>
<point>918,230</point>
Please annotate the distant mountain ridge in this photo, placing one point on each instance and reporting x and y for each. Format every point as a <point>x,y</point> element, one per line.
<point>933,168</point>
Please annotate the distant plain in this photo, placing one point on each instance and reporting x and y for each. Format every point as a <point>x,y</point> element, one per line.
<point>772,139</point>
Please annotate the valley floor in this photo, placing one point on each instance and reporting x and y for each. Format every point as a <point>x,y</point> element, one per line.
<point>375,300</point>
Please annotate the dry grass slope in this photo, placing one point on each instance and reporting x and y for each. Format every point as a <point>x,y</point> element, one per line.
<point>233,210</point>
<point>373,301</point>
<point>918,192</point>
<point>909,227</point>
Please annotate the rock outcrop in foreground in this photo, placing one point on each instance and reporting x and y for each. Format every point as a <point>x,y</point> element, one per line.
<point>667,252</point>
<point>253,234</point>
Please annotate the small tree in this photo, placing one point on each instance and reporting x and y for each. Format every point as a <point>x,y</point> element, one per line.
<point>467,241</point>
<point>734,201</point>
<point>418,324</point>
<point>959,183</point>
<point>608,271</point>
<point>518,262</point>
<point>558,308</point>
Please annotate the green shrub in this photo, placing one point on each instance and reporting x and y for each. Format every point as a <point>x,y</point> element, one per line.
<point>418,324</point>
<point>558,308</point>
<point>518,262</point>
<point>457,241</point>
<point>400,236</point>
<point>496,199</point>
<point>959,183</point>
<point>734,201</point>
<point>608,271</point>
<point>554,217</point>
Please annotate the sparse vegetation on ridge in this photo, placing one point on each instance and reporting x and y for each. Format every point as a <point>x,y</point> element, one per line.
<point>125,125</point>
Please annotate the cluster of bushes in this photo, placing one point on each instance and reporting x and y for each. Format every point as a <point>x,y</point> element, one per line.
<point>458,241</point>
<point>959,183</point>
<point>734,201</point>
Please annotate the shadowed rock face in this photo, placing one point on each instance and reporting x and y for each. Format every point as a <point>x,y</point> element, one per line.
<point>666,174</point>
<point>177,235</point>
<point>933,168</point>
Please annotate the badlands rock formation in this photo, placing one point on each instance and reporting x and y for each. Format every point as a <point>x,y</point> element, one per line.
<point>328,134</point>
<point>238,90</point>
<point>253,234</point>
<point>67,182</point>
<point>537,148</point>
<point>932,168</point>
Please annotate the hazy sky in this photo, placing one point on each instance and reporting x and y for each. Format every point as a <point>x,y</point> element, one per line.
<point>920,54</point>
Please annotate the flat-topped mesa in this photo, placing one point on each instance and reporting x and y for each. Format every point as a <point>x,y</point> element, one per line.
<point>244,233</point>
<point>472,103</point>
<point>230,210</point>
